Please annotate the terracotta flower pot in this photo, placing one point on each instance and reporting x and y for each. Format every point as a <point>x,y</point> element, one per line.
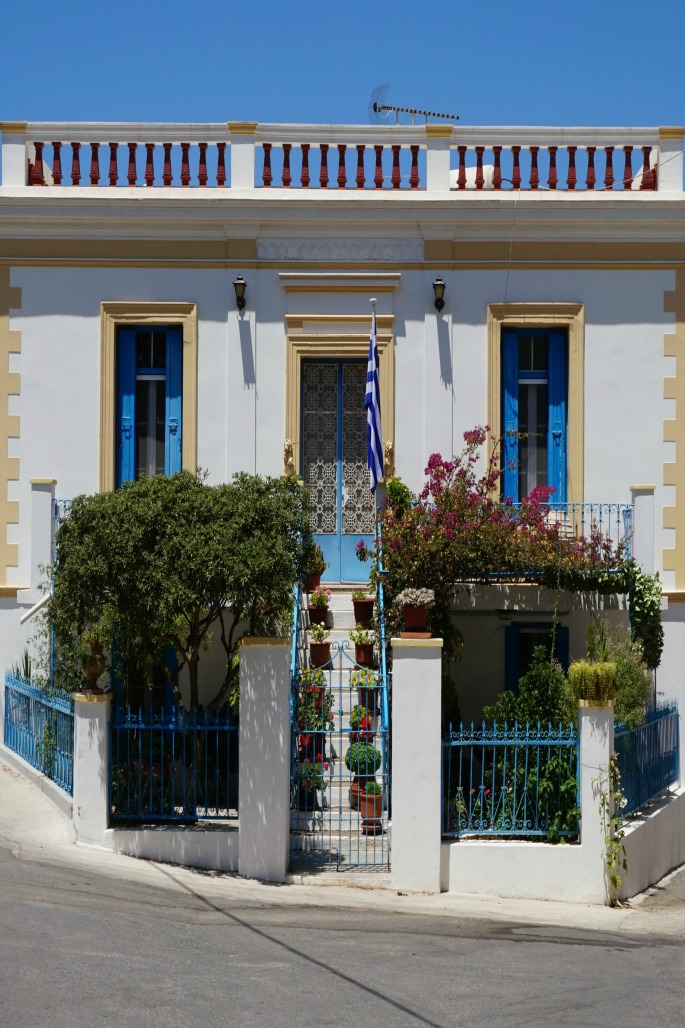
<point>319,653</point>
<point>317,615</point>
<point>368,698</point>
<point>363,611</point>
<point>363,654</point>
<point>313,582</point>
<point>415,621</point>
<point>371,810</point>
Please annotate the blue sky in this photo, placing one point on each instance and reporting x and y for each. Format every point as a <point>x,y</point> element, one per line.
<point>502,62</point>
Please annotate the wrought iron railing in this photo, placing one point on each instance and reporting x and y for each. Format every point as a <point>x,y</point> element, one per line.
<point>518,780</point>
<point>39,727</point>
<point>174,766</point>
<point>593,521</point>
<point>648,757</point>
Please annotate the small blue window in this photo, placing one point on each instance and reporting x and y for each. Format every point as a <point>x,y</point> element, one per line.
<point>534,412</point>
<point>521,638</point>
<point>149,401</point>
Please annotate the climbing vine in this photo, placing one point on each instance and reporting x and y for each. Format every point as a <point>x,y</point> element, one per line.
<point>611,802</point>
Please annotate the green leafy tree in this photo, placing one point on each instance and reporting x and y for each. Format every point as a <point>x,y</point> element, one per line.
<point>160,565</point>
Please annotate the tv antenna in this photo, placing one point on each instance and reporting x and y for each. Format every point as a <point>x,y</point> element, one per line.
<point>379,111</point>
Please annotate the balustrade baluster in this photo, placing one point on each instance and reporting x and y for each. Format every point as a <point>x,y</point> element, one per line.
<point>185,164</point>
<point>323,172</point>
<point>202,167</point>
<point>552,180</point>
<point>516,169</point>
<point>479,167</point>
<point>37,175</point>
<point>461,177</point>
<point>414,173</point>
<point>571,176</point>
<point>267,177</point>
<point>534,173</point>
<point>304,177</point>
<point>286,177</point>
<point>57,163</point>
<point>342,177</point>
<point>167,177</point>
<point>591,178</point>
<point>609,173</point>
<point>396,178</point>
<point>132,173</point>
<point>646,170</point>
<point>75,164</point>
<point>628,168</point>
<point>221,165</point>
<point>94,164</point>
<point>149,164</point>
<point>497,168</point>
<point>113,171</point>
<point>378,173</point>
<point>360,178</point>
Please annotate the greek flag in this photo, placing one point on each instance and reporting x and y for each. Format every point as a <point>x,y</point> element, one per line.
<point>373,413</point>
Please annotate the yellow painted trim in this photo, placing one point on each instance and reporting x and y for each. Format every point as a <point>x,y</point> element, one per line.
<point>416,644</point>
<point>439,131</point>
<point>330,342</point>
<point>242,128</point>
<point>543,315</point>
<point>569,253</point>
<point>13,128</point>
<point>674,595</point>
<point>10,343</point>
<point>10,591</point>
<point>643,488</point>
<point>671,131</point>
<point>113,314</point>
<point>104,697</point>
<point>265,640</point>
<point>42,481</point>
<point>673,559</point>
<point>142,251</point>
<point>594,705</point>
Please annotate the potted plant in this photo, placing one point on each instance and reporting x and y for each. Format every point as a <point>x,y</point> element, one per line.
<point>593,684</point>
<point>361,723</point>
<point>319,646</point>
<point>313,566</point>
<point>362,760</point>
<point>318,605</point>
<point>371,808</point>
<point>314,702</point>
<point>311,780</point>
<point>363,608</point>
<point>366,682</point>
<point>363,645</point>
<point>415,604</point>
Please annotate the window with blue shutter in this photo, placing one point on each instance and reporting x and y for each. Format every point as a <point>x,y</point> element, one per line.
<point>534,411</point>
<point>521,638</point>
<point>149,401</point>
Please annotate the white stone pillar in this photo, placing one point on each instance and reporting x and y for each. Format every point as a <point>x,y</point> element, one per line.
<point>438,157</point>
<point>596,731</point>
<point>670,173</point>
<point>264,803</point>
<point>416,764</point>
<point>91,805</point>
<point>242,153</point>
<point>643,526</point>
<point>14,164</point>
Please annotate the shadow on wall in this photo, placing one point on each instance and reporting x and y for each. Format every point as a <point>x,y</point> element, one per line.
<point>246,351</point>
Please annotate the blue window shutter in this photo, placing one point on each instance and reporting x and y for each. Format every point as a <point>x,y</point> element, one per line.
<point>174,391</point>
<point>126,405</point>
<point>558,388</point>
<point>512,658</point>
<point>510,415</point>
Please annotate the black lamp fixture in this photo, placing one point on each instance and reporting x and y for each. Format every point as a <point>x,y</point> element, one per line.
<point>239,284</point>
<point>439,290</point>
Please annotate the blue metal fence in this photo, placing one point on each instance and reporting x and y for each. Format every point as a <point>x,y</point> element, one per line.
<point>39,727</point>
<point>519,780</point>
<point>648,757</point>
<point>174,766</point>
<point>612,522</point>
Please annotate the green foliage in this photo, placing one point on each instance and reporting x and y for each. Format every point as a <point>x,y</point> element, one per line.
<point>23,668</point>
<point>373,788</point>
<point>543,695</point>
<point>310,774</point>
<point>162,562</point>
<point>318,633</point>
<point>358,714</point>
<point>362,758</point>
<point>399,496</point>
<point>313,562</point>
<point>594,682</point>
<point>46,745</point>
<point>314,702</point>
<point>360,594</point>
<point>611,802</point>
<point>633,678</point>
<point>645,615</point>
<point>363,678</point>
<point>319,597</point>
<point>361,636</point>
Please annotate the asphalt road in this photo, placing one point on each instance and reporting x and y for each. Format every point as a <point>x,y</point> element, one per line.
<point>79,948</point>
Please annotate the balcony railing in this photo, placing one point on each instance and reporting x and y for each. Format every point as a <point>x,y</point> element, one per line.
<point>405,158</point>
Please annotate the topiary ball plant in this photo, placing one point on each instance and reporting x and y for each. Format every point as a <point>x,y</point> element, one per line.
<point>362,759</point>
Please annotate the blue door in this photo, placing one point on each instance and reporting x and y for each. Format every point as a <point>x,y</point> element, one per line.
<point>334,468</point>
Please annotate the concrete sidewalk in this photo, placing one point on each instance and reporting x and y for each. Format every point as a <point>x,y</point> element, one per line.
<point>34,829</point>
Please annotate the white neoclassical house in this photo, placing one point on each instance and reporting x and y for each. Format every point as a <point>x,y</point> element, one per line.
<point>198,296</point>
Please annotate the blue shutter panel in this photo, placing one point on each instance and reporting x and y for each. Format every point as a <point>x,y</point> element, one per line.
<point>558,388</point>
<point>562,646</point>
<point>510,415</point>
<point>174,389</point>
<point>126,405</point>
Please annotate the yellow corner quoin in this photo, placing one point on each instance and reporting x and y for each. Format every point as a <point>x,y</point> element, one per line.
<point>415,644</point>
<point>82,697</point>
<point>671,131</point>
<point>13,128</point>
<point>10,342</point>
<point>439,131</point>
<point>242,128</point>
<point>673,559</point>
<point>113,314</point>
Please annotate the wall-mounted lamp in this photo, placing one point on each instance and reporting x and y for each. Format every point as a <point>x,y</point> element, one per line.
<point>239,284</point>
<point>439,290</point>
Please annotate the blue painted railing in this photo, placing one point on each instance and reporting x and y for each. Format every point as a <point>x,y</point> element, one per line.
<point>519,780</point>
<point>611,521</point>
<point>39,727</point>
<point>648,757</point>
<point>383,668</point>
<point>174,766</point>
